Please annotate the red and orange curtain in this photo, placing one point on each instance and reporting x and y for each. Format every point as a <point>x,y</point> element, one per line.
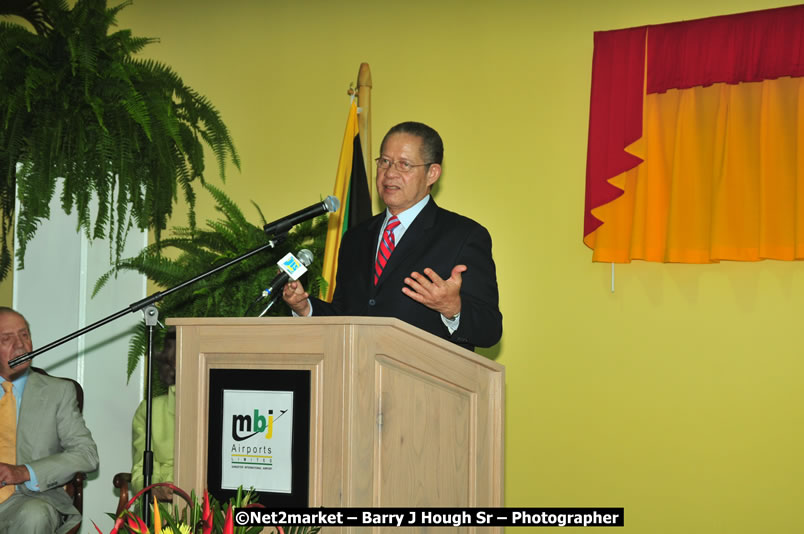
<point>696,141</point>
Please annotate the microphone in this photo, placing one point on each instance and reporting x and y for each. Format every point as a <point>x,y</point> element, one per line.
<point>292,268</point>
<point>280,226</point>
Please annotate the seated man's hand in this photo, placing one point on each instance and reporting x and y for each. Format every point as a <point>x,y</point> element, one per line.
<point>296,297</point>
<point>13,474</point>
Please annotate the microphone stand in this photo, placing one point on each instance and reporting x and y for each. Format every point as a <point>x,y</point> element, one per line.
<point>151,319</point>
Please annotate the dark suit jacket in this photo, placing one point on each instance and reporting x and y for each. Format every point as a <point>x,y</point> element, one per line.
<point>438,239</point>
<point>53,439</point>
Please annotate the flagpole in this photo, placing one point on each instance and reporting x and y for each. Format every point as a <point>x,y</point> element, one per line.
<point>364,118</point>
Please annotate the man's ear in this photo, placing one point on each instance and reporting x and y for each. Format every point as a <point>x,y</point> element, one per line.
<point>433,174</point>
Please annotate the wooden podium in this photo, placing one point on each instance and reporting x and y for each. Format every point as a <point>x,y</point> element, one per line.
<point>398,417</point>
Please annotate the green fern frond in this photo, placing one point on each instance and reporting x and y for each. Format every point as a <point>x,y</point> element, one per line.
<point>228,208</point>
<point>113,11</point>
<point>229,293</point>
<point>77,106</point>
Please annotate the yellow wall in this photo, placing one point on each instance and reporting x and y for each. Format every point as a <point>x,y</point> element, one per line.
<point>677,396</point>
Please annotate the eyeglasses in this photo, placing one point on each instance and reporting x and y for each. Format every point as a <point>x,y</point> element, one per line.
<point>400,164</point>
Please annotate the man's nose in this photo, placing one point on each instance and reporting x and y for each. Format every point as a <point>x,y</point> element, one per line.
<point>392,171</point>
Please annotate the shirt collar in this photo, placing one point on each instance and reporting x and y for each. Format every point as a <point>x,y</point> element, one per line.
<point>18,383</point>
<point>407,217</point>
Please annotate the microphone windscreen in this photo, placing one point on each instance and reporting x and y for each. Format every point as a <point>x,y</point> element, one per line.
<point>332,203</point>
<point>305,256</point>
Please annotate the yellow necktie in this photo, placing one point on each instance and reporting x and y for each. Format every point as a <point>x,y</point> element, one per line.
<point>8,435</point>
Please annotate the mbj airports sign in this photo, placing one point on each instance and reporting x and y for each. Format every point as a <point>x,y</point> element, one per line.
<point>257,438</point>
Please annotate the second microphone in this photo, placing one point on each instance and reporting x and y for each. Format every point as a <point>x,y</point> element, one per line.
<point>291,269</point>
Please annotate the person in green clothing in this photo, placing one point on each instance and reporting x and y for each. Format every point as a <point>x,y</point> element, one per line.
<point>163,417</point>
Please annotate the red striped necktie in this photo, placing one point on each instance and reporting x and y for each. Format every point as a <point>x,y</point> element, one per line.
<point>386,247</point>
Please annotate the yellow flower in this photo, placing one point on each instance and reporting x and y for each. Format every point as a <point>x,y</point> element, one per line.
<point>157,519</point>
<point>183,529</point>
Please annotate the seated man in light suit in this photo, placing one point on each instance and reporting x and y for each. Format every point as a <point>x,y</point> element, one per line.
<point>416,261</point>
<point>50,445</point>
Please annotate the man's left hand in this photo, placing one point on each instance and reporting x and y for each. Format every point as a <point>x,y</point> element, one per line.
<point>13,474</point>
<point>443,296</point>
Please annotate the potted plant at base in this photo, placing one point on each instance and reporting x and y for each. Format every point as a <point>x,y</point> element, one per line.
<point>205,517</point>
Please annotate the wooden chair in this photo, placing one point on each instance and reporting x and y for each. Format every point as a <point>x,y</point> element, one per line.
<point>122,481</point>
<point>75,487</point>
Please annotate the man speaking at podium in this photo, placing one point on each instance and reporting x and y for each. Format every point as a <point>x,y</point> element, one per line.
<point>417,262</point>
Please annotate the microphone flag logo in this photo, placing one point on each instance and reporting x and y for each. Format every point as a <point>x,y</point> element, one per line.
<point>292,266</point>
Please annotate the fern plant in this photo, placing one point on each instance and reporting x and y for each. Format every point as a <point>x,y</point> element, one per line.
<point>123,133</point>
<point>231,292</point>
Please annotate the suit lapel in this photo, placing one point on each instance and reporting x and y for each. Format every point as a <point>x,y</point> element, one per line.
<point>369,253</point>
<point>33,398</point>
<point>416,237</point>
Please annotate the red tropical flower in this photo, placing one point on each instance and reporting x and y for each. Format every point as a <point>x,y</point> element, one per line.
<point>206,515</point>
<point>228,524</point>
